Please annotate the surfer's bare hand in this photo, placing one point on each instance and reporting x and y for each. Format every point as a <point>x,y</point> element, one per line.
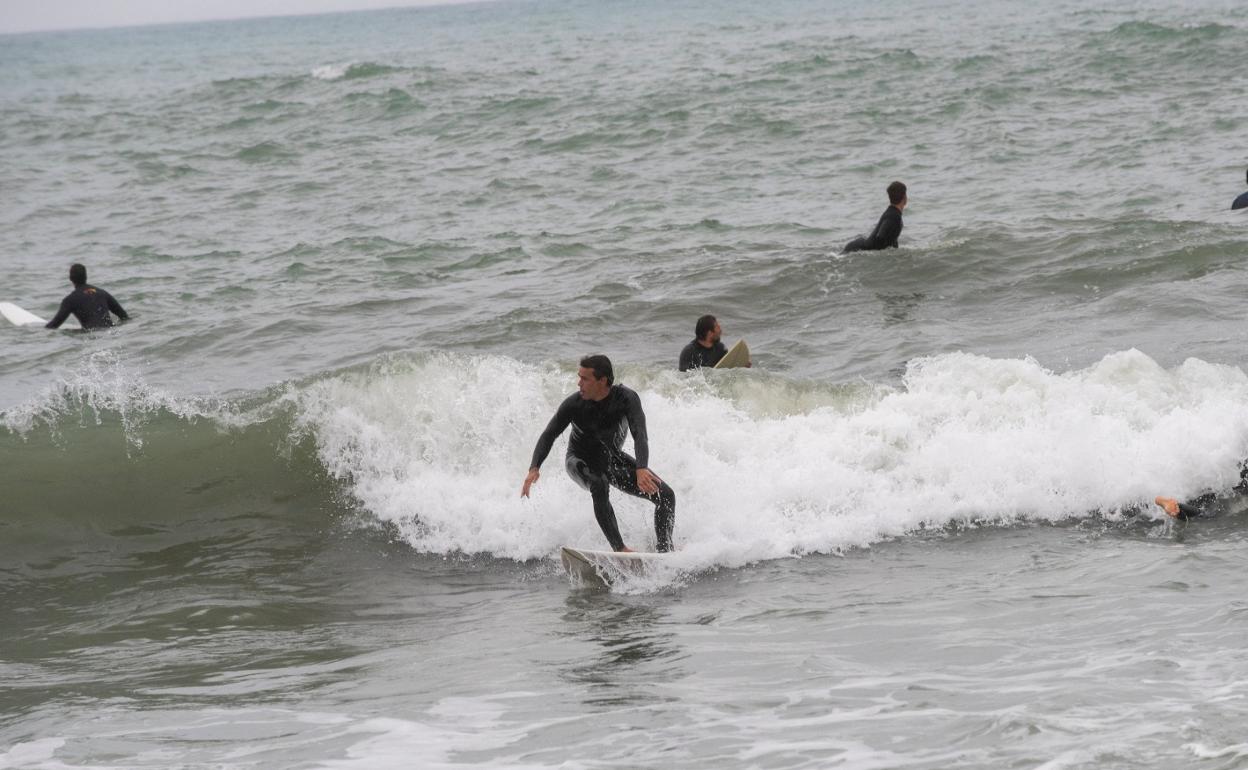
<point>647,482</point>
<point>529,481</point>
<point>1168,504</point>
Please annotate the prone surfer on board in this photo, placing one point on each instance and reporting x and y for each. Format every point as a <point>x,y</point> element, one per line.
<point>600,412</point>
<point>91,306</point>
<point>888,229</point>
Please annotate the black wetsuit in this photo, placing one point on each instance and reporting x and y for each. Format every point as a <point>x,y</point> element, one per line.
<point>91,306</point>
<point>1240,203</point>
<point>695,356</point>
<point>1189,511</point>
<point>884,236</point>
<point>1204,506</point>
<point>596,459</point>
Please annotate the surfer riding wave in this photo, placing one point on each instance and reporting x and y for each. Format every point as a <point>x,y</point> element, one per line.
<point>600,414</point>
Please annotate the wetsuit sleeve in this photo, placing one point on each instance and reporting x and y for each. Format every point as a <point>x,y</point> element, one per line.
<point>637,425</point>
<point>1198,507</point>
<point>116,307</point>
<point>61,315</point>
<point>556,426</point>
<point>686,358</point>
<point>1189,512</point>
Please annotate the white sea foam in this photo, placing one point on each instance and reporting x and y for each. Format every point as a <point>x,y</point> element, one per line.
<point>1203,751</point>
<point>37,753</point>
<point>439,446</point>
<point>102,383</point>
<point>454,725</point>
<point>332,71</point>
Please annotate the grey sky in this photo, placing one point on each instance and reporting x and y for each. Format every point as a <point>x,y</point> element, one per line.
<point>30,15</point>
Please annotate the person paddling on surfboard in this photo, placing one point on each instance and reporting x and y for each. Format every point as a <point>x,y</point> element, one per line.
<point>600,413</point>
<point>91,306</point>
<point>888,229</point>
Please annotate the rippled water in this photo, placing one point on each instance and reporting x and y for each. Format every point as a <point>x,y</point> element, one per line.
<point>274,520</point>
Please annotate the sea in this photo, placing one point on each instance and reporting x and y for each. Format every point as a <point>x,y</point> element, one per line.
<point>274,520</point>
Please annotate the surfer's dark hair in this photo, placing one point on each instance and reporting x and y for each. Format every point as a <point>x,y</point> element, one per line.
<point>896,193</point>
<point>706,324</point>
<point>77,274</point>
<point>601,366</point>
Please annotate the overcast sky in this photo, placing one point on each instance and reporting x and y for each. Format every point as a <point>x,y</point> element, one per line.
<point>30,15</point>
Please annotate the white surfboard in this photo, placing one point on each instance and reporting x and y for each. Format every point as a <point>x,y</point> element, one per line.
<point>19,317</point>
<point>737,356</point>
<point>602,568</point>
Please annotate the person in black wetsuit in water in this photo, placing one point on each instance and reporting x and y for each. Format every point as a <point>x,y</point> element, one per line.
<point>1201,506</point>
<point>888,229</point>
<point>600,412</point>
<point>91,306</point>
<point>706,348</point>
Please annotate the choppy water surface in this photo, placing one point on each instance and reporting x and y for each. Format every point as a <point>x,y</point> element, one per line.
<point>274,521</point>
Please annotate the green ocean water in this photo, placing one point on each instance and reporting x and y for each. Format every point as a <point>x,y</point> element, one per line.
<point>274,520</point>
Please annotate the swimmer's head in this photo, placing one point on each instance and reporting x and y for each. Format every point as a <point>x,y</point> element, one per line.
<point>77,274</point>
<point>896,193</point>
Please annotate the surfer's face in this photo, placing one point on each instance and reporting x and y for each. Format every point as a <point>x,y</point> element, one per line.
<point>591,388</point>
<point>713,335</point>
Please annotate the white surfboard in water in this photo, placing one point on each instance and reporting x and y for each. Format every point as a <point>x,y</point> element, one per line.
<point>602,568</point>
<point>19,317</point>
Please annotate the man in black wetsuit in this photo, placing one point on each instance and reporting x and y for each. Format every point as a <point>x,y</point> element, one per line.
<point>888,229</point>
<point>91,306</point>
<point>706,348</point>
<point>1183,511</point>
<point>1203,505</point>
<point>600,412</point>
<point>1176,510</point>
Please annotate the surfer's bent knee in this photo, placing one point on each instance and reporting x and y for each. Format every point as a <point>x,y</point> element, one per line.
<point>585,477</point>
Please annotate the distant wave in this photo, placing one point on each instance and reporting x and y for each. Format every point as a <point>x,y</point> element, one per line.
<point>352,71</point>
<point>1160,32</point>
<point>393,102</point>
<point>1191,48</point>
<point>265,152</point>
